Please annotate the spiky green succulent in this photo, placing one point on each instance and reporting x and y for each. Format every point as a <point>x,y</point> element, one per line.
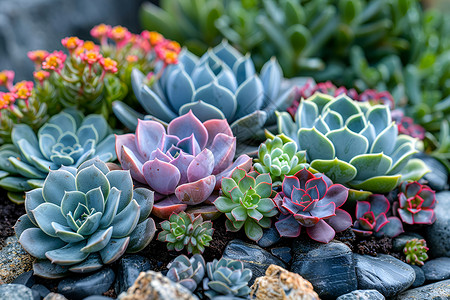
<point>279,158</point>
<point>67,139</point>
<point>227,279</point>
<point>353,142</point>
<point>246,202</point>
<point>188,272</point>
<point>83,218</point>
<point>186,231</point>
<point>415,251</point>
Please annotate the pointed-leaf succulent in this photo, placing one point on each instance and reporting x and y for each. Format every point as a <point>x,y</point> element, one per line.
<point>416,203</point>
<point>227,279</point>
<point>311,201</point>
<point>84,218</point>
<point>415,251</point>
<point>352,142</point>
<point>184,163</point>
<point>186,231</point>
<point>67,139</point>
<point>188,272</point>
<point>246,202</point>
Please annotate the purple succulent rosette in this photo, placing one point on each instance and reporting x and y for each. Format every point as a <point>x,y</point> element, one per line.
<point>371,218</point>
<point>311,201</point>
<point>184,163</point>
<point>416,203</point>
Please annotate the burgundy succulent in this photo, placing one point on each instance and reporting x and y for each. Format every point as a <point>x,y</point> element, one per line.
<point>416,203</point>
<point>184,163</point>
<point>407,126</point>
<point>371,218</point>
<point>311,201</point>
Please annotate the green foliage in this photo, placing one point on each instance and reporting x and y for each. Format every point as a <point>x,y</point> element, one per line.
<point>415,251</point>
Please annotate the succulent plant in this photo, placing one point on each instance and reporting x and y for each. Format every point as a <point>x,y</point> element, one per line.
<point>222,84</point>
<point>246,202</point>
<point>185,230</point>
<point>416,203</point>
<point>188,272</point>
<point>279,158</point>
<point>67,139</point>
<point>371,218</point>
<point>189,159</point>
<point>227,279</point>
<point>83,218</point>
<point>311,201</point>
<point>415,251</point>
<point>353,143</point>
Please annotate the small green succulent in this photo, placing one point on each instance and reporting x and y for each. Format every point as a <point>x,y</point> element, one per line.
<point>227,279</point>
<point>188,272</point>
<point>84,218</point>
<point>279,158</point>
<point>246,202</point>
<point>184,230</point>
<point>415,251</point>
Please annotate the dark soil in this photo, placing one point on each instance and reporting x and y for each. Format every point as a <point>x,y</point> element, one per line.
<point>9,213</point>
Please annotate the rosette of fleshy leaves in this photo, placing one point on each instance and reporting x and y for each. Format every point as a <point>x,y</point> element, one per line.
<point>222,84</point>
<point>83,218</point>
<point>227,279</point>
<point>188,272</point>
<point>186,231</point>
<point>353,143</point>
<point>18,105</point>
<point>279,157</point>
<point>311,201</point>
<point>246,202</point>
<point>415,203</point>
<point>372,218</point>
<point>184,163</point>
<point>67,139</point>
<point>415,251</point>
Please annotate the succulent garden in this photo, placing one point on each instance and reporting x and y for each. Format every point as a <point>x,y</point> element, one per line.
<point>262,149</point>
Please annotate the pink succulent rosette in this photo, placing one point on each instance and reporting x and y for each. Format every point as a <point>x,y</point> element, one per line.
<point>416,203</point>
<point>184,163</point>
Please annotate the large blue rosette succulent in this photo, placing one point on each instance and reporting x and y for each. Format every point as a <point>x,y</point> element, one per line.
<point>67,139</point>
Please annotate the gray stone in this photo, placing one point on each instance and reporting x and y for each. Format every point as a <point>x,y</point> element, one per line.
<point>129,268</point>
<point>329,267</point>
<point>435,291</point>
<point>254,257</point>
<point>270,237</point>
<point>13,260</point>
<point>97,297</point>
<point>438,177</point>
<point>80,287</point>
<point>400,241</point>
<point>383,273</point>
<point>438,234</point>
<point>40,290</point>
<point>55,296</point>
<point>420,277</point>
<point>283,253</point>
<point>437,269</point>
<point>15,291</point>
<point>362,295</point>
<point>27,279</point>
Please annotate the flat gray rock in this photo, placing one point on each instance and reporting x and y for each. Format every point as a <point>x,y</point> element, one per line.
<point>362,295</point>
<point>438,234</point>
<point>437,269</point>
<point>420,277</point>
<point>435,291</point>
<point>15,291</point>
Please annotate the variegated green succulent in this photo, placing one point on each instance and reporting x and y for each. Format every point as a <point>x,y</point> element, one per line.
<point>353,143</point>
<point>279,158</point>
<point>67,139</point>
<point>84,218</point>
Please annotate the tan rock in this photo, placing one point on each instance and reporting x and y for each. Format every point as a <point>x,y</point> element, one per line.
<point>280,284</point>
<point>55,296</point>
<point>152,285</point>
<point>13,260</point>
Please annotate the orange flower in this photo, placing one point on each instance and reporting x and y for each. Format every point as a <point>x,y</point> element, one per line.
<point>41,76</point>
<point>71,43</point>
<point>168,52</point>
<point>119,34</point>
<point>100,31</point>
<point>23,89</point>
<point>54,61</point>
<point>109,65</point>
<point>90,46</point>
<point>91,57</point>
<point>132,58</point>
<point>6,78</point>
<point>37,56</point>
<point>155,38</point>
<point>7,99</point>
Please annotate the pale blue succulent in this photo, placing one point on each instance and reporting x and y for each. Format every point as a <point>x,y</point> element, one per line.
<point>222,84</point>
<point>67,139</point>
<point>353,143</point>
<point>84,218</point>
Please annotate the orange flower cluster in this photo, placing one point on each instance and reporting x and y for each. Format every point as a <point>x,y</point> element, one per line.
<point>21,90</point>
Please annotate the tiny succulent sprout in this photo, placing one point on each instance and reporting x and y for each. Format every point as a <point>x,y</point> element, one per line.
<point>246,202</point>
<point>279,159</point>
<point>84,218</point>
<point>416,203</point>
<point>188,272</point>
<point>415,251</point>
<point>186,231</point>
<point>371,218</point>
<point>227,279</point>
<point>311,201</point>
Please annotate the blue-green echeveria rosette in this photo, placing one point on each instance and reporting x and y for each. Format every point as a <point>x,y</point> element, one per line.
<point>84,218</point>
<point>67,139</point>
<point>222,84</point>
<point>353,143</point>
